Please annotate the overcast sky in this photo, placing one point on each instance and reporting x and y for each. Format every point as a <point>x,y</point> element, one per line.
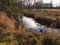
<point>54,2</point>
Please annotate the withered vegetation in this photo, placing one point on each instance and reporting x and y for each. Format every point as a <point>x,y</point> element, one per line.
<point>9,35</point>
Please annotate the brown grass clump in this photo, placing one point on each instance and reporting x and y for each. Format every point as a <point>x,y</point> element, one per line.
<point>10,23</point>
<point>22,30</point>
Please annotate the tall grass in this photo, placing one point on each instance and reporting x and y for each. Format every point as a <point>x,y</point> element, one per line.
<point>12,36</point>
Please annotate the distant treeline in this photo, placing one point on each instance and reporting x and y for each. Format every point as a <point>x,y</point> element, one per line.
<point>35,5</point>
<point>42,6</point>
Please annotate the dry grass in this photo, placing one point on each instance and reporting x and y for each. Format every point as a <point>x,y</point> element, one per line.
<point>7,22</point>
<point>10,23</point>
<point>20,36</point>
<point>47,13</point>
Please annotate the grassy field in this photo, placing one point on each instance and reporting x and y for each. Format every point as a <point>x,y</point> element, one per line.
<point>10,35</point>
<point>48,13</point>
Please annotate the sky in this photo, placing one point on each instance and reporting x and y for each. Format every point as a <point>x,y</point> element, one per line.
<point>54,2</point>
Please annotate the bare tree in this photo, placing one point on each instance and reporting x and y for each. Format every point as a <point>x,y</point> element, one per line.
<point>34,3</point>
<point>51,4</point>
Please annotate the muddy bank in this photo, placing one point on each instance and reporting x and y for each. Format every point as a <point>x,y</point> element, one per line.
<point>48,22</point>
